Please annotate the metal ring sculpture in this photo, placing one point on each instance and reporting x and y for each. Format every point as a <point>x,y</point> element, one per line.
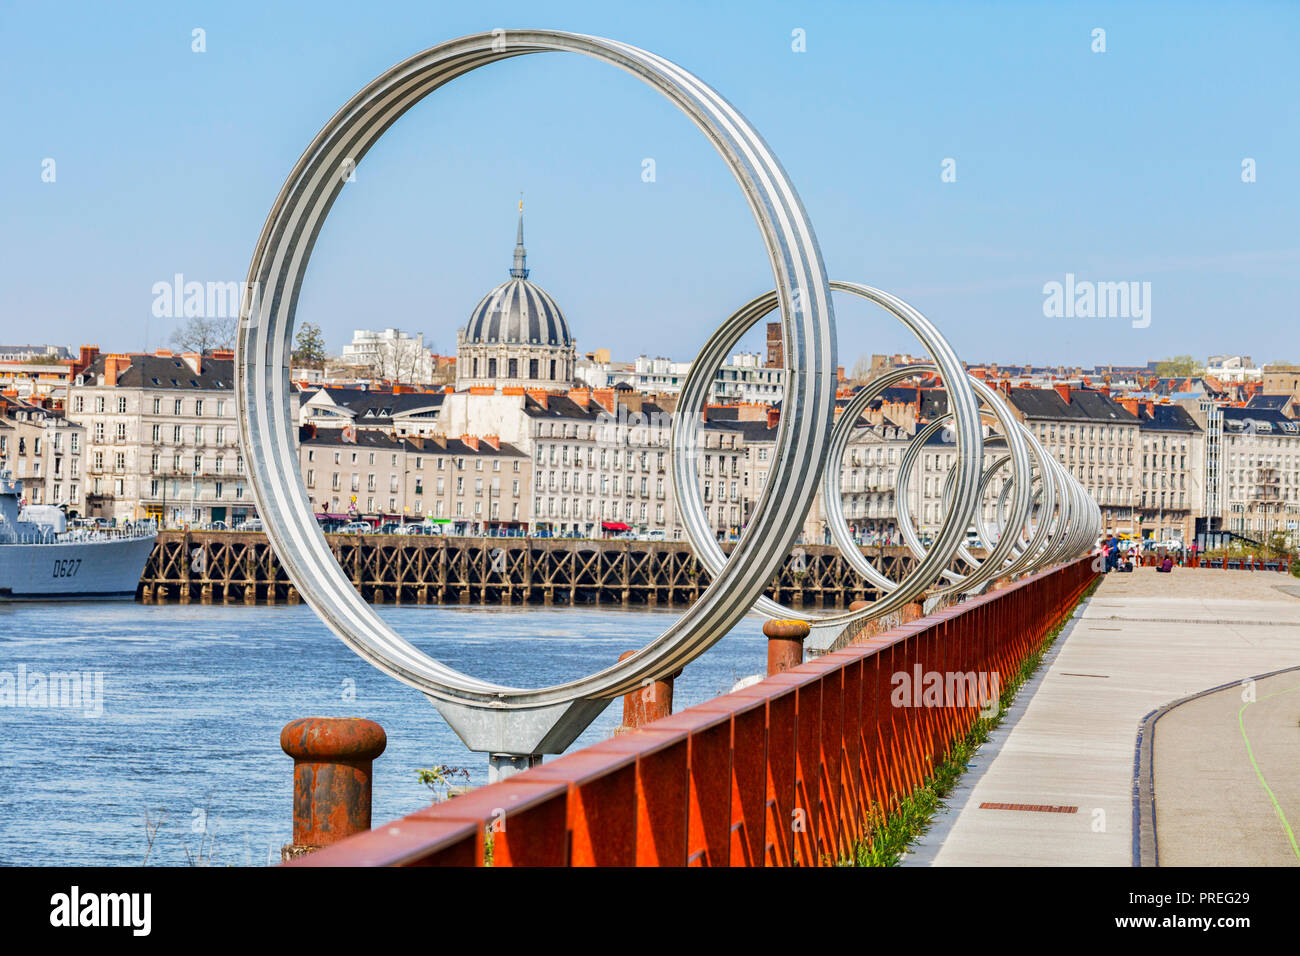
<point>807,437</point>
<point>693,398</point>
<point>268,431</point>
<point>1013,434</point>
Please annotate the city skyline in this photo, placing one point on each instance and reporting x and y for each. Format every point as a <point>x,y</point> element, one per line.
<point>1047,184</point>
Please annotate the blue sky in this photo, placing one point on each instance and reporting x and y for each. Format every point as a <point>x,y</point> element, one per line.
<point>1116,166</point>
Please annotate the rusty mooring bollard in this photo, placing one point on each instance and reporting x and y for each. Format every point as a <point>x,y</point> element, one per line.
<point>332,759</point>
<point>868,630</point>
<point>784,644</point>
<point>647,703</point>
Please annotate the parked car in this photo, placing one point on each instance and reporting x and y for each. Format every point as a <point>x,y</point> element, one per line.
<point>252,524</point>
<point>357,527</point>
<point>391,527</point>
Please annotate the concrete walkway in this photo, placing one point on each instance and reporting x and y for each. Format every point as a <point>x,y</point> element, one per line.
<point>1142,641</point>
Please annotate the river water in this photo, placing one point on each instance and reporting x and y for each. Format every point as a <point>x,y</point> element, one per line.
<point>187,729</point>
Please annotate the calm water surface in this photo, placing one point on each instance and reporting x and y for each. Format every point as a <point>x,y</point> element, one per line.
<point>195,697</point>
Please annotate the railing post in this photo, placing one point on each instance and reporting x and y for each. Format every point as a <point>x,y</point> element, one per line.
<point>332,758</point>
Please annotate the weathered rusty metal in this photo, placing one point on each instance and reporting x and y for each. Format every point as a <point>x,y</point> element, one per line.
<point>332,761</point>
<point>647,703</point>
<point>723,783</point>
<point>784,644</point>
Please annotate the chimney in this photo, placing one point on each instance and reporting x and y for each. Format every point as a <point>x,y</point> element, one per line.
<point>493,440</point>
<point>1063,389</point>
<point>1130,405</point>
<point>223,355</point>
<point>604,397</point>
<point>839,373</point>
<point>539,395</point>
<point>773,416</point>
<point>470,440</point>
<point>1151,408</point>
<point>114,366</point>
<point>84,360</point>
<point>194,360</point>
<point>580,396</point>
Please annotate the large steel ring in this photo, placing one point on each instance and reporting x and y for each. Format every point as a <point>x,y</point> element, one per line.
<point>268,429</point>
<point>684,442</point>
<point>1013,433</point>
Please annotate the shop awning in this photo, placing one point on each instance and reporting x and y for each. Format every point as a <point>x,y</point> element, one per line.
<point>615,526</point>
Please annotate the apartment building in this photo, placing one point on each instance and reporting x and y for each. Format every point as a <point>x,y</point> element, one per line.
<point>1171,488</point>
<point>868,474</point>
<point>161,439</point>
<point>1260,473</point>
<point>471,484</point>
<point>44,451</point>
<point>601,465</point>
<point>1095,437</point>
<point>747,378</point>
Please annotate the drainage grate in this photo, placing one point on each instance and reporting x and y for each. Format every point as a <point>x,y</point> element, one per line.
<point>1035,807</point>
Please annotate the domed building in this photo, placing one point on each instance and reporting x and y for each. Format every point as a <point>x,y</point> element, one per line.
<point>516,336</point>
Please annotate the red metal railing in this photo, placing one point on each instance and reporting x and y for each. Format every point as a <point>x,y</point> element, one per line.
<point>790,770</point>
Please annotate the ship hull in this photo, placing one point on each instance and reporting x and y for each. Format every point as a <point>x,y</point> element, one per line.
<point>73,570</point>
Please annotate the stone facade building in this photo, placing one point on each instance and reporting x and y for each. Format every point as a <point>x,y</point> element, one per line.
<point>161,438</point>
<point>44,451</point>
<point>470,485</point>
<point>1096,438</point>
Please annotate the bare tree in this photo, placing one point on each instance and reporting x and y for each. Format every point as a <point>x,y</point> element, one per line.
<point>402,360</point>
<point>203,335</point>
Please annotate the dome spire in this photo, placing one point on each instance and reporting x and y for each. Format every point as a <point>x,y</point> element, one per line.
<point>520,269</point>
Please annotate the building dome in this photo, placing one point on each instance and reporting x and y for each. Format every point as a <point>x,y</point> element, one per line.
<point>516,336</point>
<point>518,312</point>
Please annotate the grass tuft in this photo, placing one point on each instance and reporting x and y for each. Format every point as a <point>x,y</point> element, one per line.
<point>890,834</point>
